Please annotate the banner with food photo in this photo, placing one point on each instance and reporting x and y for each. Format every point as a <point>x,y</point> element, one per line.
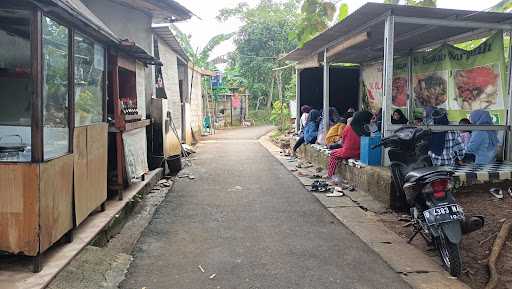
<point>430,78</point>
<point>400,92</point>
<point>478,79</point>
<point>371,75</point>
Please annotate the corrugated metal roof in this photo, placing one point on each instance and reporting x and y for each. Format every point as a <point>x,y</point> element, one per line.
<point>164,32</point>
<point>80,12</point>
<point>370,18</point>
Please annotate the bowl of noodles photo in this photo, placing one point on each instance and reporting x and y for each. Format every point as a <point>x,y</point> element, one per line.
<point>430,89</point>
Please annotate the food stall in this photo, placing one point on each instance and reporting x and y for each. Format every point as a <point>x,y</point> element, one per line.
<point>127,141</point>
<point>410,58</point>
<point>53,121</point>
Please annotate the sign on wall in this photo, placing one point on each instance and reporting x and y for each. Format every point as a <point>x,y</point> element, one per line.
<point>135,153</point>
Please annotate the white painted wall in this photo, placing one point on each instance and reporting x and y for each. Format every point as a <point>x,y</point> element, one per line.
<point>171,82</point>
<point>195,121</point>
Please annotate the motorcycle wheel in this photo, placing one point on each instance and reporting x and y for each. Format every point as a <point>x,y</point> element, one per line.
<point>450,255</point>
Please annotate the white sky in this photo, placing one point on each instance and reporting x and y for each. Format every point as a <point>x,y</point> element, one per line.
<point>206,27</point>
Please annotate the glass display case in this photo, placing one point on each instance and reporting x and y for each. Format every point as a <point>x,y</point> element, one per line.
<point>53,135</point>
<point>16,82</point>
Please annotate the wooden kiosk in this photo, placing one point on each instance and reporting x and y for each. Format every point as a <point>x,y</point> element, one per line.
<point>53,130</point>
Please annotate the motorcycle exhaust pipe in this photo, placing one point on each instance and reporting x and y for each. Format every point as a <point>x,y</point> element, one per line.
<point>472,224</point>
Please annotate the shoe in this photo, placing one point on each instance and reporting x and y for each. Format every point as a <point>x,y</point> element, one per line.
<point>335,194</point>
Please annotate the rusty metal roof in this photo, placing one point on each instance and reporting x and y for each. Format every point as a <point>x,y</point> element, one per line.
<point>82,15</point>
<point>164,32</point>
<point>166,9</point>
<point>370,18</point>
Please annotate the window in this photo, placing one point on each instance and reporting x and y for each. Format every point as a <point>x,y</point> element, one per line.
<point>16,86</point>
<point>55,89</point>
<point>89,80</point>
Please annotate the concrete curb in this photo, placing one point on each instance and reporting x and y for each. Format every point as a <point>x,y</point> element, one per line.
<point>417,269</point>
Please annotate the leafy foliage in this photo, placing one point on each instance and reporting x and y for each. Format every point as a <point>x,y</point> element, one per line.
<point>263,37</point>
<point>316,16</point>
<point>502,6</point>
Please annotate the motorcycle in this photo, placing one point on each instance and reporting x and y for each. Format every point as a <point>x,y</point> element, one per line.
<point>427,192</point>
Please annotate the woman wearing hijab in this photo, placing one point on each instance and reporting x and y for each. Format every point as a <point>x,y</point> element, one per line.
<point>482,143</point>
<point>310,130</point>
<point>398,117</point>
<point>351,141</point>
<point>333,119</point>
<point>305,109</point>
<point>446,147</point>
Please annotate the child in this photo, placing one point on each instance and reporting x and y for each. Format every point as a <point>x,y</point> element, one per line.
<point>465,135</point>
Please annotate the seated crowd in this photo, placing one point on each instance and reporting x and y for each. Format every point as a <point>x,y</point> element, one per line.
<point>343,137</point>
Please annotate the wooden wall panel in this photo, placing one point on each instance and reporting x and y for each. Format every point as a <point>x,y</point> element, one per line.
<point>81,183</point>
<point>19,208</point>
<point>91,151</point>
<point>56,199</point>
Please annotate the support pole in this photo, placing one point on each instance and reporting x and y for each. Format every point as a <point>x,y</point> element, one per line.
<point>297,98</point>
<point>388,74</point>
<point>325,117</point>
<point>508,132</point>
<point>410,102</point>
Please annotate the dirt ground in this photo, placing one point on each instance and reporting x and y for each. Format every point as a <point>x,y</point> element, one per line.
<point>476,246</point>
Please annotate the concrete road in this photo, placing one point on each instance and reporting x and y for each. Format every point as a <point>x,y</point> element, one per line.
<point>249,224</point>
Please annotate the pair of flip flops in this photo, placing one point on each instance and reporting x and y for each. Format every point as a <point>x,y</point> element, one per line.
<point>498,193</point>
<point>319,186</point>
<point>338,192</point>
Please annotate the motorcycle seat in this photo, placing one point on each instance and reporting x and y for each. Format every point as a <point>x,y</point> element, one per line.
<point>428,172</point>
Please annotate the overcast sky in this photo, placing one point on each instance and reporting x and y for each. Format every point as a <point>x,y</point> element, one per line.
<point>207,26</point>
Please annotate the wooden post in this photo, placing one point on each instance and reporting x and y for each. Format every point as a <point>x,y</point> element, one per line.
<point>118,123</point>
<point>71,87</point>
<point>37,78</point>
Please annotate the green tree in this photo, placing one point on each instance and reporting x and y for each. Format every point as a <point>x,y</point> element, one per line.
<point>502,6</point>
<point>200,57</point>
<point>263,37</point>
<point>316,16</point>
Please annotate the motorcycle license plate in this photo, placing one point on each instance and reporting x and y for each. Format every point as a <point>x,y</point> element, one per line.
<point>443,214</point>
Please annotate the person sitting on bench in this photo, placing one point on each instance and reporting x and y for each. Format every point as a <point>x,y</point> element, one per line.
<point>482,143</point>
<point>310,131</point>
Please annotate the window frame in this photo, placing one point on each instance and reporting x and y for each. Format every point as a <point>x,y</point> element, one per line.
<point>38,82</point>
<point>71,86</point>
<point>104,85</point>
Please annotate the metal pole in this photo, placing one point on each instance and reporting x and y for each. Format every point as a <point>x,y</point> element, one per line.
<point>388,74</point>
<point>410,101</point>
<point>297,98</point>
<point>325,118</point>
<point>508,133</point>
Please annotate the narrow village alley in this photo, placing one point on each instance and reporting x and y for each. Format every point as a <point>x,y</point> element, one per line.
<point>249,223</point>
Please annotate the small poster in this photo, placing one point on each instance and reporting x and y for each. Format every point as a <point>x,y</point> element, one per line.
<point>135,152</point>
<point>99,57</point>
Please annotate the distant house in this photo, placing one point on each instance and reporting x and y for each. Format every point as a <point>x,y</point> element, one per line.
<point>183,84</point>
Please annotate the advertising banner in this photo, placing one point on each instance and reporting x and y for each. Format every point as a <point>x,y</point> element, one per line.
<point>373,90</point>
<point>461,81</point>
